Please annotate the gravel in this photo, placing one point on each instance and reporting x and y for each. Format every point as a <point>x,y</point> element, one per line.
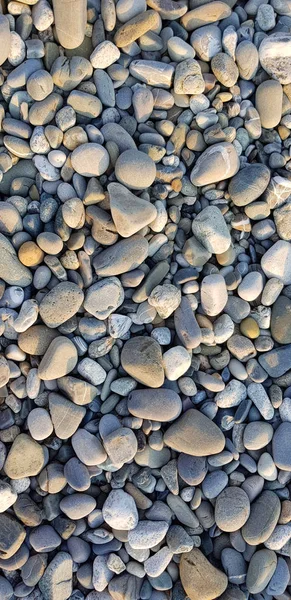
<point>145,300</point>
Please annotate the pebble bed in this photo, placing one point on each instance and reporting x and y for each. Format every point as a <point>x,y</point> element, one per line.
<point>145,299</point>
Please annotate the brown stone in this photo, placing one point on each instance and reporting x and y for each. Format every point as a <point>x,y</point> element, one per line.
<point>200,580</point>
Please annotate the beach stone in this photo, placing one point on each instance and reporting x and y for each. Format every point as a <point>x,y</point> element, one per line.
<point>277,361</point>
<point>232,509</point>
<point>159,405</point>
<point>6,589</point>
<point>274,52</point>
<point>203,15</point>
<point>261,569</point>
<point>88,448</point>
<point>65,415</point>
<point>195,254</point>
<point>5,38</point>
<point>153,72</point>
<point>59,359</point>
<point>158,562</point>
<point>90,160</point>
<point>12,271</point>
<point>218,162</point>
<point>193,433</point>
<point>127,9</point>
<point>104,55</point>
<point>124,256</point>
<point>224,69</point>
<point>232,395</point>
<point>234,565</point>
<point>251,286</point>
<point>206,41</point>
<point>282,218</point>
<point>247,59</point>
<point>101,574</point>
<point>57,579</point>
<point>10,219</point>
<point>11,537</point>
<point>7,496</point>
<point>104,297</point>
<point>257,435</point>
<point>79,391</point>
<point>124,204</point>
<point>281,320</point>
<point>61,303</point>
<point>213,294</point>
<point>165,299</point>
<point>141,358</point>
<point>264,515</point>
<point>188,78</point>
<point>36,339</point>
<point>76,506</point>
<point>135,169</point>
<point>249,184</point>
<point>269,97</point>
<point>39,424</point>
<point>40,85</point>
<point>120,445</point>
<point>147,534</point>
<point>136,27</point>
<point>279,580</point>
<point>210,229</point>
<point>176,361</point>
<point>119,511</point>
<point>258,395</point>
<point>200,580</point>
<point>25,458</point>
<point>281,453</point>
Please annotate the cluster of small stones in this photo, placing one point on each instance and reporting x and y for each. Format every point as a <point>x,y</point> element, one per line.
<point>145,299</point>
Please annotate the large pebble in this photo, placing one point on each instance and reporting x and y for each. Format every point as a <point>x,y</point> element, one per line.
<point>195,434</point>
<point>217,162</point>
<point>135,169</point>
<point>275,52</point>
<point>249,184</point>
<point>211,230</point>
<point>158,405</point>
<point>265,512</point>
<point>200,579</point>
<point>232,509</point>
<point>59,360</point>
<point>60,304</point>
<point>90,160</point>
<point>25,458</point>
<point>119,511</point>
<point>276,262</point>
<point>141,358</point>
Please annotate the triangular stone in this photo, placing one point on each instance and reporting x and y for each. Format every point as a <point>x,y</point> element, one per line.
<point>129,213</point>
<point>65,415</point>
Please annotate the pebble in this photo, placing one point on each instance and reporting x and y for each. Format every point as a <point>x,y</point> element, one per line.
<point>119,511</point>
<point>199,578</point>
<point>269,91</point>
<point>59,359</point>
<point>194,434</point>
<point>159,405</point>
<point>232,509</point>
<point>60,304</point>
<point>141,358</point>
<point>217,162</point>
<point>249,184</point>
<point>145,361</point>
<point>210,229</point>
<point>263,518</point>
<point>25,458</point>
